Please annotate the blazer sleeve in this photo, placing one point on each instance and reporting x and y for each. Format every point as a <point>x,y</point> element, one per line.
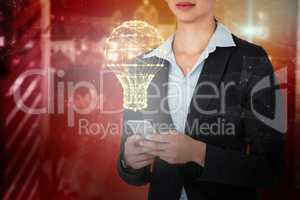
<point>131,176</point>
<point>262,166</point>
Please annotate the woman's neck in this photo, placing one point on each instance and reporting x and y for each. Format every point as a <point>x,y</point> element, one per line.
<point>191,38</point>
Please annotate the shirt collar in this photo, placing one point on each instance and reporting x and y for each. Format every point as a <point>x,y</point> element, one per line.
<point>222,37</point>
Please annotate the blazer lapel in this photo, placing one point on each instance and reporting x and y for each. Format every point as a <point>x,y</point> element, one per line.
<point>211,75</point>
<point>158,107</point>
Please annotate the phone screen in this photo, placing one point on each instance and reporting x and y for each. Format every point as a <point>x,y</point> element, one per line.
<point>141,127</point>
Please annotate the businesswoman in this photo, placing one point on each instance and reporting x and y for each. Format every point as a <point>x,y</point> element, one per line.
<point>219,146</point>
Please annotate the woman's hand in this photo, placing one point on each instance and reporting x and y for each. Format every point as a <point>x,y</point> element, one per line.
<point>175,148</point>
<point>135,155</point>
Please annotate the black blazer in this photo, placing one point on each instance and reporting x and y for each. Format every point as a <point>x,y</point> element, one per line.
<point>238,161</point>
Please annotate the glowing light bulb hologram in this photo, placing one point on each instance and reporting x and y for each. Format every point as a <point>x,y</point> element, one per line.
<point>124,46</point>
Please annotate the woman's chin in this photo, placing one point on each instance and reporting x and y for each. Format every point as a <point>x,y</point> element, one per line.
<point>192,18</point>
<point>186,19</point>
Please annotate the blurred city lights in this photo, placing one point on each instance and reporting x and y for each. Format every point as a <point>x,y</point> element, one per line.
<point>29,45</point>
<point>2,41</point>
<point>254,32</point>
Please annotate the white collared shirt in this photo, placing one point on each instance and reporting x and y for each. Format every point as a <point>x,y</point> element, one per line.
<point>181,87</point>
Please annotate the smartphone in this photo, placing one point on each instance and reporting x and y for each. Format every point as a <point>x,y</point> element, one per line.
<point>143,128</point>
